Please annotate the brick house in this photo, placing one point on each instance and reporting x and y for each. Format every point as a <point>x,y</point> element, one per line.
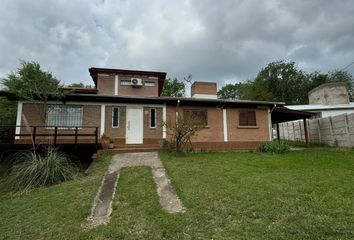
<point>126,105</point>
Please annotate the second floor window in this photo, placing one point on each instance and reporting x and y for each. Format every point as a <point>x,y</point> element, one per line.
<point>247,118</point>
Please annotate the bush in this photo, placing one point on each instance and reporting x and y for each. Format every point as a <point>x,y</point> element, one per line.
<point>275,147</point>
<point>31,170</point>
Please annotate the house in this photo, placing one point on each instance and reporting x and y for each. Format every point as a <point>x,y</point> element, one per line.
<point>127,106</point>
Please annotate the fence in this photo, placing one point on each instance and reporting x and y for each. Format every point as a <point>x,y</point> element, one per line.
<point>334,131</point>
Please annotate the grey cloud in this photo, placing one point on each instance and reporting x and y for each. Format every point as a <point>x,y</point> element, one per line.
<point>223,41</point>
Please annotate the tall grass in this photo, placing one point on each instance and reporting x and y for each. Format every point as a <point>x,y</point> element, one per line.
<point>33,170</point>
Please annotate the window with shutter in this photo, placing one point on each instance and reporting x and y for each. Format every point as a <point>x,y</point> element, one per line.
<point>247,118</point>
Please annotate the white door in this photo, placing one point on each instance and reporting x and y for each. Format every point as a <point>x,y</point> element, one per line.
<point>134,125</point>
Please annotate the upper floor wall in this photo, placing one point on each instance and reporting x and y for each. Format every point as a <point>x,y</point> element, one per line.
<point>127,82</point>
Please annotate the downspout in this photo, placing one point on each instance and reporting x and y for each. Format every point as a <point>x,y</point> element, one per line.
<point>270,122</point>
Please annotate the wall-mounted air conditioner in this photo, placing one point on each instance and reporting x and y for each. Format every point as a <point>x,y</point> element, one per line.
<point>136,82</point>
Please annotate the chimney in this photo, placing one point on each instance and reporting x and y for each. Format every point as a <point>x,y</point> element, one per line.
<point>204,90</point>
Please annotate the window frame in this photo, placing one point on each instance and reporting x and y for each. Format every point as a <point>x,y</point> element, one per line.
<point>150,112</point>
<point>147,82</point>
<point>248,124</point>
<point>118,116</point>
<point>125,82</point>
<point>67,126</point>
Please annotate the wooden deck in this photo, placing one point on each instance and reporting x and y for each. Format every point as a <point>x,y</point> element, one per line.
<point>56,135</point>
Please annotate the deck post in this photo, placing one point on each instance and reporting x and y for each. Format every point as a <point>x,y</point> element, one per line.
<point>34,130</point>
<point>306,131</point>
<point>96,136</point>
<point>75,136</point>
<point>55,135</point>
<point>278,132</point>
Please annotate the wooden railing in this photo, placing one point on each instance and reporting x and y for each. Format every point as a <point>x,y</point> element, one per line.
<point>53,133</point>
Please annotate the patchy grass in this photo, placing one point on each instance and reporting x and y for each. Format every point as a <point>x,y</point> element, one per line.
<point>300,195</point>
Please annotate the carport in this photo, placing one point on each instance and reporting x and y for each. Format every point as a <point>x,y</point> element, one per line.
<point>283,114</point>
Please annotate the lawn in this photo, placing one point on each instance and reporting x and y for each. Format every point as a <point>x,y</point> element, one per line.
<point>301,195</point>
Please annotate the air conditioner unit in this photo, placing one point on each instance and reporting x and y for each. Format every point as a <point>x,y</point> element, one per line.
<point>136,82</point>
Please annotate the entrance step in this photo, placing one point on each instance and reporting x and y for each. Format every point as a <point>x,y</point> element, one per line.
<point>131,148</point>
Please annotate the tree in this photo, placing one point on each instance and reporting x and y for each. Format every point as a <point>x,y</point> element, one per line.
<point>29,82</point>
<point>235,91</point>
<point>280,81</point>
<point>173,88</point>
<point>183,129</point>
<point>79,85</point>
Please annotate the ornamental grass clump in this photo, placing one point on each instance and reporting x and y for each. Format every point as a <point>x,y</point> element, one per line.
<point>33,170</point>
<point>275,147</point>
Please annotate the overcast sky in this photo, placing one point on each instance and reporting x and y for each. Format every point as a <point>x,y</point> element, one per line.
<point>224,41</point>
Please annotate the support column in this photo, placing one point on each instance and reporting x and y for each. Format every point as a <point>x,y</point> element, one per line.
<point>164,121</point>
<point>224,117</point>
<point>18,119</point>
<point>306,131</point>
<point>103,119</point>
<point>116,85</point>
<point>278,132</point>
<point>270,125</point>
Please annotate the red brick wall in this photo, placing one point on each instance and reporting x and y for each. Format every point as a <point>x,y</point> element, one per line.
<point>208,88</point>
<point>212,137</point>
<point>35,117</point>
<point>240,133</point>
<point>106,86</point>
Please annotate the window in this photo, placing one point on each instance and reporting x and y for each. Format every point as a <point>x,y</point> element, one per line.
<point>247,118</point>
<point>150,84</point>
<point>152,117</point>
<point>125,82</point>
<point>64,116</point>
<point>200,114</point>
<point>115,117</point>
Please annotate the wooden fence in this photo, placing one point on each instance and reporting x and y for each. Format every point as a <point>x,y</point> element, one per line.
<point>334,131</point>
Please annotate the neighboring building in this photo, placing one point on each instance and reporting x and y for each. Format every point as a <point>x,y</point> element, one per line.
<point>126,105</point>
<point>329,99</point>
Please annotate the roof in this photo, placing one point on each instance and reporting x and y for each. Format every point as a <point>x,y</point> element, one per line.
<point>169,100</point>
<point>89,97</point>
<point>160,75</point>
<point>321,107</point>
<point>283,114</point>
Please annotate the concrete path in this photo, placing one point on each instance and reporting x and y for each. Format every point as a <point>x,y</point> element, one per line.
<point>102,206</point>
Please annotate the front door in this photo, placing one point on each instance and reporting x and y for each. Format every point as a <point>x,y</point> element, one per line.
<point>134,125</point>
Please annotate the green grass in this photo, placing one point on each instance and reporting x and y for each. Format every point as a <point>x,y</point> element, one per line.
<point>301,195</point>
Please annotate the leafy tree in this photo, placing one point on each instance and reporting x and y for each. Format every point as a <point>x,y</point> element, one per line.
<point>235,91</point>
<point>280,81</point>
<point>79,85</point>
<point>173,88</point>
<point>30,82</point>
<point>7,119</point>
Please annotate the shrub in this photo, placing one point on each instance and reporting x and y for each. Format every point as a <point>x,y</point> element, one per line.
<point>32,170</point>
<point>275,147</point>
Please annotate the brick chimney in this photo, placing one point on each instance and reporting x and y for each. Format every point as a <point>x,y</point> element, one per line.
<point>204,90</point>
